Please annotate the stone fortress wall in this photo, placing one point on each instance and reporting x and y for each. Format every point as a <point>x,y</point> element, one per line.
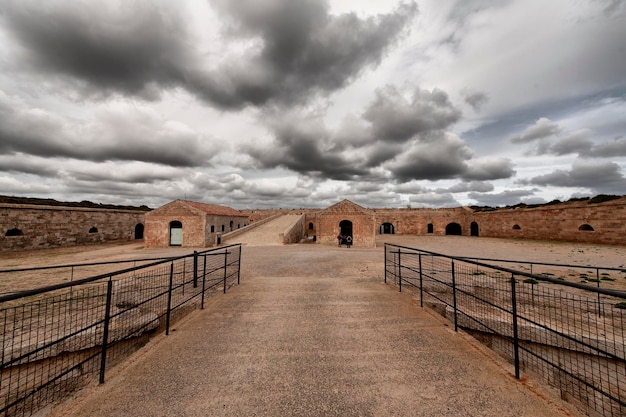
<point>24,227</point>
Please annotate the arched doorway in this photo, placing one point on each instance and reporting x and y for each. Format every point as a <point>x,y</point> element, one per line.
<point>139,231</point>
<point>176,233</point>
<point>474,229</point>
<point>430,228</point>
<point>453,229</point>
<point>387,229</point>
<point>345,228</point>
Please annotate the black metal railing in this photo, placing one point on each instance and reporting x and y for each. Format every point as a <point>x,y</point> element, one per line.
<point>570,334</point>
<point>57,339</point>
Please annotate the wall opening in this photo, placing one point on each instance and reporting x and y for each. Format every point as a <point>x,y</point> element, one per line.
<point>139,231</point>
<point>453,229</point>
<point>516,227</point>
<point>345,228</point>
<point>430,228</point>
<point>14,232</point>
<point>586,227</point>
<point>223,228</point>
<point>474,229</point>
<point>387,229</point>
<point>176,233</point>
<point>93,229</point>
<point>212,228</point>
<point>231,225</point>
<point>310,226</point>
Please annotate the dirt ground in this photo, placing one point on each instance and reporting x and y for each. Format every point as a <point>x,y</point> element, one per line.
<point>310,258</point>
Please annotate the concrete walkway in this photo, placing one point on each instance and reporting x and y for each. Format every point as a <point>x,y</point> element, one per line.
<point>267,234</point>
<point>315,344</point>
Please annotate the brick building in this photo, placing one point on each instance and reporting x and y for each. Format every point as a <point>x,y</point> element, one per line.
<point>190,224</point>
<point>348,219</point>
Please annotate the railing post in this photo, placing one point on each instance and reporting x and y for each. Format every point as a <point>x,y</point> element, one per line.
<point>515,334</point>
<point>225,268</point>
<point>456,326</point>
<point>419,257</point>
<point>239,267</point>
<point>105,332</point>
<point>169,299</point>
<point>195,269</point>
<point>203,281</point>
<point>598,286</point>
<point>385,263</point>
<point>399,272</point>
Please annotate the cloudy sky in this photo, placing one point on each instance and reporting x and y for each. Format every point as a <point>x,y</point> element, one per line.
<point>302,103</point>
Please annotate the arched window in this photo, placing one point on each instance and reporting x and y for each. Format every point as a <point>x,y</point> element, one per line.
<point>223,228</point>
<point>212,228</point>
<point>93,229</point>
<point>453,229</point>
<point>586,227</point>
<point>310,226</point>
<point>14,232</point>
<point>430,228</point>
<point>176,233</point>
<point>231,225</point>
<point>516,227</point>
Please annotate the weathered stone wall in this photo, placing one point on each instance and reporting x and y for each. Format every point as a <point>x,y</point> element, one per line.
<point>199,229</point>
<point>559,222</point>
<point>40,227</point>
<point>363,224</point>
<point>416,221</point>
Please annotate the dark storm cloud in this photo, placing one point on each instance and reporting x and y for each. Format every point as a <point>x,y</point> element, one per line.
<point>443,158</point>
<point>13,163</point>
<point>303,145</point>
<point>543,128</point>
<point>297,48</point>
<point>578,141</point>
<point>463,187</point>
<point>395,119</point>
<point>489,169</point>
<point>119,134</point>
<point>613,148</point>
<point>304,50</point>
<point>136,49</point>
<point>600,176</point>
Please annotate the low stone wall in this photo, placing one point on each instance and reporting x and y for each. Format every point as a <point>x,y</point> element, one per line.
<point>25,227</point>
<point>295,233</point>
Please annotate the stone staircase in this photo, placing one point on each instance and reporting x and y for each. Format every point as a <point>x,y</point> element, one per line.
<point>268,234</point>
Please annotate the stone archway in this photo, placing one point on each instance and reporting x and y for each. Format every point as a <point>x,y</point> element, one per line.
<point>139,231</point>
<point>176,233</point>
<point>474,229</point>
<point>387,229</point>
<point>454,229</point>
<point>345,228</point>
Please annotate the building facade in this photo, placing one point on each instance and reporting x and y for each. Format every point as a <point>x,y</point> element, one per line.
<point>190,224</point>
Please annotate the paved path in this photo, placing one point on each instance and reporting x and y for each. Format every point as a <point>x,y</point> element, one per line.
<point>267,234</point>
<point>315,344</point>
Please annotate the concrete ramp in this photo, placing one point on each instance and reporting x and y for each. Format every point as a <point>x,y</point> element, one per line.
<point>268,234</point>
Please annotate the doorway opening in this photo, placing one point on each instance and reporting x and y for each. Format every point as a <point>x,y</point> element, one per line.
<point>387,229</point>
<point>453,229</point>
<point>345,229</point>
<point>474,229</point>
<point>176,233</point>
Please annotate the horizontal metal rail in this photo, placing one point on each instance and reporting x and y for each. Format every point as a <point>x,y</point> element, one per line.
<point>570,334</point>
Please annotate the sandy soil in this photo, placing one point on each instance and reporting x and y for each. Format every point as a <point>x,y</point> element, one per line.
<point>311,258</point>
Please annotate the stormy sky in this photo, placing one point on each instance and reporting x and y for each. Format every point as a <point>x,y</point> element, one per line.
<point>284,103</point>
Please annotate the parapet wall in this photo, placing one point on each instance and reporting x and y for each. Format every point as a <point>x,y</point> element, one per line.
<point>25,227</point>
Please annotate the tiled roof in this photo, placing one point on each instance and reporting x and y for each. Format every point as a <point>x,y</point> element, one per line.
<point>214,210</point>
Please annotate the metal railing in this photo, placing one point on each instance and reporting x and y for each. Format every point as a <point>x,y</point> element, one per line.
<point>570,334</point>
<point>57,339</point>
